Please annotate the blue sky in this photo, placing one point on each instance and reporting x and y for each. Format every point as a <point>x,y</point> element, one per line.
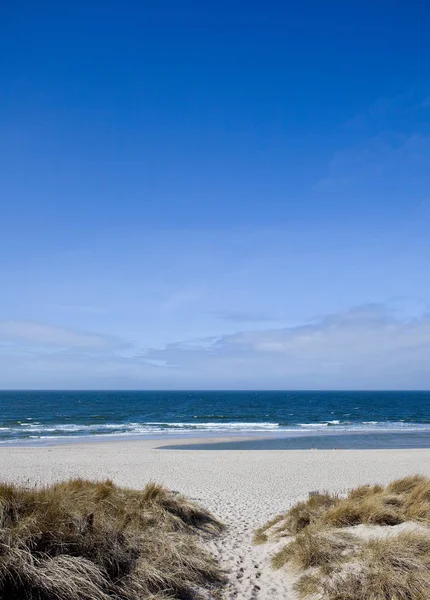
<point>223,195</point>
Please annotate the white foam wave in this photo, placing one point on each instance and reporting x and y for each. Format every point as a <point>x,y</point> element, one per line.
<point>140,427</point>
<point>62,430</point>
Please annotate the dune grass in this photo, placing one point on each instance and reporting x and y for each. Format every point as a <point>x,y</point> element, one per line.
<point>339,565</point>
<point>315,548</point>
<point>393,568</point>
<point>83,540</point>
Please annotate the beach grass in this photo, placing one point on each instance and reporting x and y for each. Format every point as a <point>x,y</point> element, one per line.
<point>375,561</point>
<point>84,540</point>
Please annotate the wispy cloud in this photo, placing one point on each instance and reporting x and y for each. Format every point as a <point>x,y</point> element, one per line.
<point>38,334</point>
<point>385,142</point>
<point>385,155</point>
<point>77,308</point>
<point>383,111</point>
<point>237,316</point>
<point>363,348</point>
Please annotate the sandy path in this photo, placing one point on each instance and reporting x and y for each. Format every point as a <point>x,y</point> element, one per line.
<point>243,488</point>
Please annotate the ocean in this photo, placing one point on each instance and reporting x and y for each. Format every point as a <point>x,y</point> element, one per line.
<point>43,416</point>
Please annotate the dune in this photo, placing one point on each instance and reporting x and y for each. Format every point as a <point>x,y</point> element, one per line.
<point>242,489</point>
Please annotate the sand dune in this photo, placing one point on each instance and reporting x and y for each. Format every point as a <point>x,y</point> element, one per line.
<point>243,488</point>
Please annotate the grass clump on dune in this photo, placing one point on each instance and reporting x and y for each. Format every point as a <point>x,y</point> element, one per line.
<point>393,568</point>
<point>315,548</point>
<point>343,565</point>
<point>300,516</point>
<point>403,500</point>
<point>81,540</point>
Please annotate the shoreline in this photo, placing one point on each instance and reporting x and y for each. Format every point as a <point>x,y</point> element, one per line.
<point>104,458</point>
<point>251,440</point>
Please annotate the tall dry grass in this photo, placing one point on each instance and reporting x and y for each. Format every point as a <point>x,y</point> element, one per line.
<point>393,568</point>
<point>83,540</point>
<point>336,564</point>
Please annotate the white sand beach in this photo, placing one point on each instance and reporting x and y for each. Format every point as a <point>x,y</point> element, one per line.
<point>242,488</point>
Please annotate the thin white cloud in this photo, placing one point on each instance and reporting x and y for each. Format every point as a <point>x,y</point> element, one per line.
<point>359,337</point>
<point>39,334</point>
<point>385,141</point>
<point>238,316</point>
<point>385,154</point>
<point>364,348</point>
<point>78,308</point>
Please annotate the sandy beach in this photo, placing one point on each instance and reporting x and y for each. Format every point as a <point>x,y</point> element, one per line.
<point>244,488</point>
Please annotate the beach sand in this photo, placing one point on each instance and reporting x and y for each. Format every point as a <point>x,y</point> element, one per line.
<point>244,488</point>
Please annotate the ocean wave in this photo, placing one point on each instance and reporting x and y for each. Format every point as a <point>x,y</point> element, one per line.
<point>37,430</point>
<point>134,428</point>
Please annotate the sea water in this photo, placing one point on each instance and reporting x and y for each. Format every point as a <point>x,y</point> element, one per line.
<point>37,416</point>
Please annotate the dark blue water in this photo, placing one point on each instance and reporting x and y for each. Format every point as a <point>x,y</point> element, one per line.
<point>41,415</point>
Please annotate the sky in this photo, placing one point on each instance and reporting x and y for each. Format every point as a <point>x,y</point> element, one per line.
<point>215,195</point>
